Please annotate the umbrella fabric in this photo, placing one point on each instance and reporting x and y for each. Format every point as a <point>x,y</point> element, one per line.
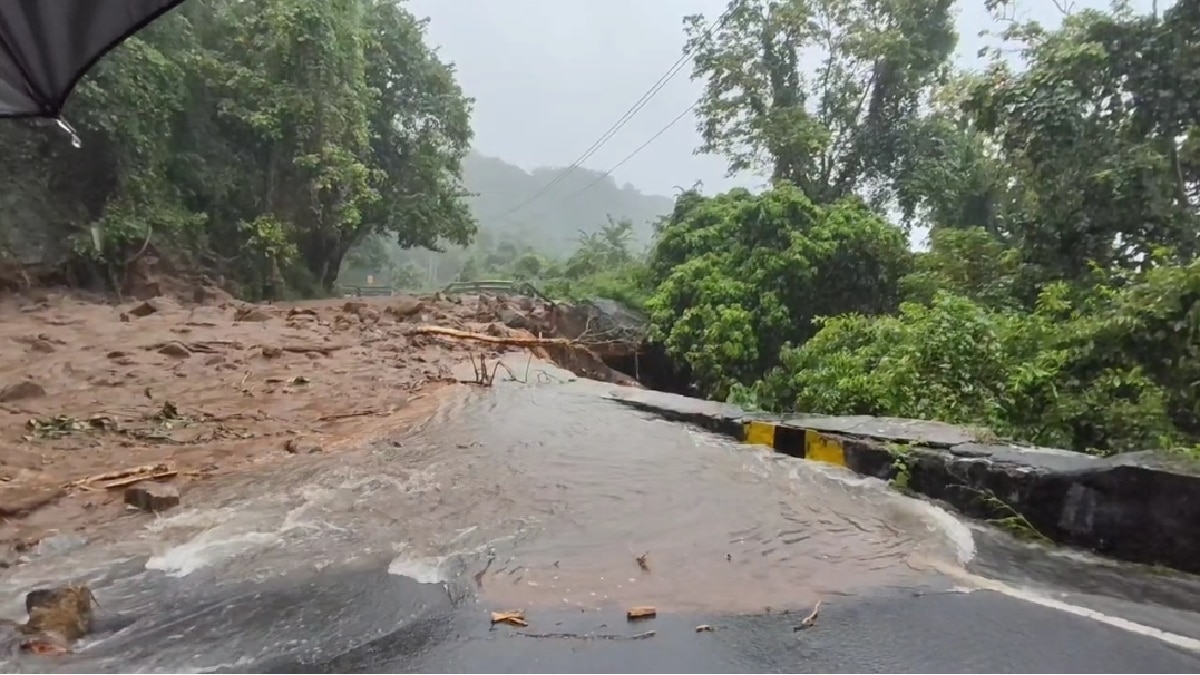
<point>46,46</point>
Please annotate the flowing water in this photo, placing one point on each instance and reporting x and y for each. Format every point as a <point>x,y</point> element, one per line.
<point>538,494</point>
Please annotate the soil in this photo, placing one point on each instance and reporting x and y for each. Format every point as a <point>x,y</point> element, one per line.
<point>213,386</point>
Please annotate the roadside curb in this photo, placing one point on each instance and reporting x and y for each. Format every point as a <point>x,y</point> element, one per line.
<point>1139,507</point>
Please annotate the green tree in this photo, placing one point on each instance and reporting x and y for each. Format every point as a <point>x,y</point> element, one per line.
<point>738,276</point>
<point>841,129</point>
<point>232,132</point>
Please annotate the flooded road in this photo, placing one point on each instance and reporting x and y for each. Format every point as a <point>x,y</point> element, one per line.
<point>536,495</point>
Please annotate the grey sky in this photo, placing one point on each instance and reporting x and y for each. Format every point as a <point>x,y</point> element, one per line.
<point>550,76</point>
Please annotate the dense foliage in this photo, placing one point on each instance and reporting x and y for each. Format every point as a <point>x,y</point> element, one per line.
<point>1059,299</point>
<point>250,135</point>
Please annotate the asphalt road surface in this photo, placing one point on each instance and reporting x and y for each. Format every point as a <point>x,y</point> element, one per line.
<point>539,496</point>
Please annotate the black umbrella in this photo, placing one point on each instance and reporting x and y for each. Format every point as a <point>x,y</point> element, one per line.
<point>46,46</point>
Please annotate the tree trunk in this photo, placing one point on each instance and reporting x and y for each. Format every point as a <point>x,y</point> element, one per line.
<point>333,267</point>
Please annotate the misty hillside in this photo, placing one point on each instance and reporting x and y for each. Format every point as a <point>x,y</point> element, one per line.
<point>554,219</point>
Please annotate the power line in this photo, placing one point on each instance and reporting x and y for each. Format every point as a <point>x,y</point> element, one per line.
<point>631,155</point>
<point>629,114</point>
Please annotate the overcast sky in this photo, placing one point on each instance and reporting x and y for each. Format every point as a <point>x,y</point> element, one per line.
<point>549,77</point>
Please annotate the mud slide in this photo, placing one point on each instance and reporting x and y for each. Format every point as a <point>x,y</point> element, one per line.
<point>106,406</point>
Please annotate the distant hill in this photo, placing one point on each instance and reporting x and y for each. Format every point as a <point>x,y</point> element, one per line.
<point>552,222</point>
<point>549,224</point>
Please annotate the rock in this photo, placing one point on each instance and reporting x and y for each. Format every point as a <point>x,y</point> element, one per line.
<point>271,352</point>
<point>20,391</point>
<point>176,349</point>
<point>152,496</point>
<point>23,390</point>
<point>41,597</point>
<point>60,543</point>
<point>42,346</point>
<point>354,307</point>
<point>208,293</point>
<point>214,359</point>
<point>252,314</point>
<point>144,309</point>
<point>405,307</point>
<point>514,319</point>
<point>302,446</point>
<point>369,315</point>
<point>525,303</point>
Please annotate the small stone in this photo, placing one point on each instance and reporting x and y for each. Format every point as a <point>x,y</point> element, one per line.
<point>152,496</point>
<point>42,346</point>
<point>144,309</point>
<point>60,543</point>
<point>302,446</point>
<point>25,389</point>
<point>214,359</point>
<point>176,349</point>
<point>405,308</point>
<point>271,352</point>
<point>353,307</point>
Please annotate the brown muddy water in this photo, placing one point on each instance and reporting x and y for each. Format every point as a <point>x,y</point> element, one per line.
<point>537,494</point>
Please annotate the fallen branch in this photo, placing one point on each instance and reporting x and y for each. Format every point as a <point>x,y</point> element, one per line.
<point>492,339</point>
<point>346,416</point>
<point>810,620</point>
<point>136,473</point>
<point>122,482</point>
<point>514,617</point>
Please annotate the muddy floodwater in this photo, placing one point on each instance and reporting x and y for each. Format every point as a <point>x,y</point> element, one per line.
<point>536,494</point>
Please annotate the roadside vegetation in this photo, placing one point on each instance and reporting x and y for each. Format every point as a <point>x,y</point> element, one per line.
<point>1056,299</point>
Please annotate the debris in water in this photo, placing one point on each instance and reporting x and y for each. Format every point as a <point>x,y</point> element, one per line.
<point>641,613</point>
<point>641,561</point>
<point>514,617</point>
<point>810,620</point>
<point>704,628</point>
<point>124,477</point>
<point>57,618</point>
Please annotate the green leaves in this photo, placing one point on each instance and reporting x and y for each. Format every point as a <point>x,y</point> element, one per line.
<point>832,132</point>
<point>737,276</point>
<point>249,131</point>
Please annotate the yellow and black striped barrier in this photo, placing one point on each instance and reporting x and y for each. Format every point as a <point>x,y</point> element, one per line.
<point>803,443</point>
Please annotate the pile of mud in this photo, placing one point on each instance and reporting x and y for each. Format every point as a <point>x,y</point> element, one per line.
<point>178,391</point>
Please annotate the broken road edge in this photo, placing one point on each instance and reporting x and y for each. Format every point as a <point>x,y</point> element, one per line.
<point>1140,507</point>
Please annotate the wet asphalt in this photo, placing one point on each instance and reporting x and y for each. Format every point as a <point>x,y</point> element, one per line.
<point>360,619</point>
<point>904,631</point>
<point>355,617</point>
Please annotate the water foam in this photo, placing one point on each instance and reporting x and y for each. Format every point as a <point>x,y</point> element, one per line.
<point>207,548</point>
<point>427,570</point>
<point>937,519</point>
